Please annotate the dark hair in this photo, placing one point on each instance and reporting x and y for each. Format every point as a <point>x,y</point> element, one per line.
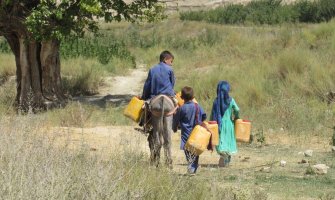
<point>187,93</point>
<point>165,55</point>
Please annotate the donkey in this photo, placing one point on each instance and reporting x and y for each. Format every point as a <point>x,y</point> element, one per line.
<point>162,109</point>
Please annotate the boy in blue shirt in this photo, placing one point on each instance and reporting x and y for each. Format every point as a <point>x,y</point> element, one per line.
<point>187,117</point>
<point>160,79</point>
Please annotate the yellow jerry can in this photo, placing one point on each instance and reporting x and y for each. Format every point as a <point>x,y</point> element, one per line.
<point>181,101</point>
<point>134,109</point>
<point>213,127</point>
<point>198,140</point>
<point>242,130</point>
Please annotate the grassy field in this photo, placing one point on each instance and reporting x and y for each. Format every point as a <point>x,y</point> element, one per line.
<point>280,77</point>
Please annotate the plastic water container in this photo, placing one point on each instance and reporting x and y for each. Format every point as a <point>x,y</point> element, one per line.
<point>198,140</point>
<point>213,127</point>
<point>181,101</point>
<point>242,130</point>
<point>134,109</point>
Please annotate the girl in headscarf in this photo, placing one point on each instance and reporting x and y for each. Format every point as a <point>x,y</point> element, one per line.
<point>223,109</point>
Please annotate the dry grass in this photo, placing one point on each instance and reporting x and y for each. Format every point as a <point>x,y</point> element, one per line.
<point>36,164</point>
<point>7,67</point>
<point>39,161</point>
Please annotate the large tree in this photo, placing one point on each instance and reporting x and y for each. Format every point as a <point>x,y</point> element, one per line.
<point>34,30</point>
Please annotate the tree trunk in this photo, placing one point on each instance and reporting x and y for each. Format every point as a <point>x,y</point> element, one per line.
<point>38,73</point>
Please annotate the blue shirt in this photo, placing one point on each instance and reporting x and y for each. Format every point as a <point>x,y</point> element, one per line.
<point>160,81</point>
<point>185,118</point>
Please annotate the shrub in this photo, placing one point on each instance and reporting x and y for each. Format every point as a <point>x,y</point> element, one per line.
<point>267,12</point>
<point>308,11</point>
<point>231,14</point>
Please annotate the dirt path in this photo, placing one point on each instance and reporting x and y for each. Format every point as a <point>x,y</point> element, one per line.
<point>125,85</point>
<point>117,90</point>
<point>111,138</point>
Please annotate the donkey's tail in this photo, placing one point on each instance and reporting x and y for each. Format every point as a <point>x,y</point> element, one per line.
<point>161,124</point>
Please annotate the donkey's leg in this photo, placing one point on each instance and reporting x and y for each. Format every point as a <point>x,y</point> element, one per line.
<point>167,140</point>
<point>154,142</point>
<point>151,141</point>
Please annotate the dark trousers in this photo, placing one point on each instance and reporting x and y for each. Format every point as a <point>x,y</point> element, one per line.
<point>192,161</point>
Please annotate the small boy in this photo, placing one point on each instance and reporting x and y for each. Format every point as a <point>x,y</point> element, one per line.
<point>186,118</point>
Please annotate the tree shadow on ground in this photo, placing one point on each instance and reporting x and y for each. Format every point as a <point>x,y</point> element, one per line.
<point>116,100</point>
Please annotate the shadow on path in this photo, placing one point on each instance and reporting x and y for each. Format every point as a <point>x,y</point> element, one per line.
<point>105,101</point>
<point>202,165</point>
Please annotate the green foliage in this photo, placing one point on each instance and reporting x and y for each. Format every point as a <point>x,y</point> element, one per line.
<point>50,19</point>
<point>266,12</point>
<point>269,12</point>
<point>308,11</point>
<point>232,14</point>
<point>104,48</point>
<point>4,47</point>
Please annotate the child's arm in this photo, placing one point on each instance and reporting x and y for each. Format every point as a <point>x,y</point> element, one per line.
<point>202,117</point>
<point>236,109</point>
<point>176,119</point>
<point>214,114</point>
<point>202,114</point>
<point>146,87</point>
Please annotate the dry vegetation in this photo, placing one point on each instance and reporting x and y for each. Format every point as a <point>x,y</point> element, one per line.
<point>280,76</point>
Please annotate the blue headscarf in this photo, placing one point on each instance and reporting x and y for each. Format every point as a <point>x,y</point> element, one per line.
<point>221,103</point>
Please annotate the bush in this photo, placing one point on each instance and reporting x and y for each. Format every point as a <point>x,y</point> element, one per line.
<point>308,11</point>
<point>267,12</point>
<point>232,14</point>
<point>193,15</point>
